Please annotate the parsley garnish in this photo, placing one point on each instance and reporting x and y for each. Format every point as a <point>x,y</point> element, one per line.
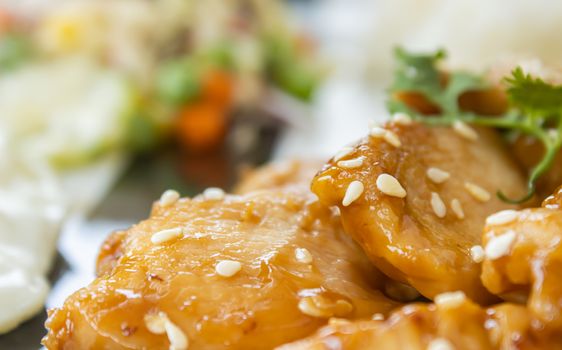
<point>535,106</point>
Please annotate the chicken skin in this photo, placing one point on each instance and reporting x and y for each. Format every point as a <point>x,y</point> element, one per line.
<point>454,322</point>
<point>221,272</point>
<point>523,259</point>
<point>416,197</point>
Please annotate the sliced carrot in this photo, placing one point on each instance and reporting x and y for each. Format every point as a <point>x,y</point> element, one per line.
<point>201,126</point>
<point>6,21</point>
<point>217,87</point>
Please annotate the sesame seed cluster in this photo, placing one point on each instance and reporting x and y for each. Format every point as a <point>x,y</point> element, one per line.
<point>389,185</point>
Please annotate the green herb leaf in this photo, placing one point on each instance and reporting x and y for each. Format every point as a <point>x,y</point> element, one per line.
<point>420,74</point>
<point>417,72</point>
<point>533,96</point>
<point>535,106</point>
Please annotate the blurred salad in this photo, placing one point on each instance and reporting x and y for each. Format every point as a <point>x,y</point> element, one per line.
<point>149,71</point>
<point>83,85</point>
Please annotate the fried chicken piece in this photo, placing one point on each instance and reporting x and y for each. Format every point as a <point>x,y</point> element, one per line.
<point>453,323</point>
<point>239,272</point>
<point>295,173</point>
<point>523,259</point>
<point>447,183</point>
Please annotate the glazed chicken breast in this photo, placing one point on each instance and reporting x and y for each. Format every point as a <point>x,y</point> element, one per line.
<point>296,175</point>
<point>452,323</point>
<point>221,272</point>
<point>416,197</point>
<point>523,258</point>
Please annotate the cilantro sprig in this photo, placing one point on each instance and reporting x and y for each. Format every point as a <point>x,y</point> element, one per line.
<point>535,106</point>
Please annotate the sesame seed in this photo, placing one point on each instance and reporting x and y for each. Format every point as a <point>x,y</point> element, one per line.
<point>440,344</point>
<point>378,317</point>
<point>377,131</point>
<point>477,192</point>
<point>308,307</point>
<point>477,254</point>
<point>166,235</point>
<point>465,130</point>
<point>335,211</point>
<point>392,138</point>
<point>319,306</point>
<point>155,322</point>
<point>351,163</point>
<point>457,208</point>
<point>387,135</point>
<point>213,194</point>
<point>344,152</point>
<point>437,205</point>
<point>178,339</point>
<point>499,246</point>
<point>495,331</point>
<point>450,299</point>
<point>354,191</point>
<point>502,217</point>
<point>169,197</point>
<point>535,216</point>
<point>437,175</point>
<point>402,118</point>
<point>303,255</point>
<point>228,268</point>
<point>390,186</point>
<point>324,178</point>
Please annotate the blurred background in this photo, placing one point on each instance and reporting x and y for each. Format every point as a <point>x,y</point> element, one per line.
<point>104,104</point>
